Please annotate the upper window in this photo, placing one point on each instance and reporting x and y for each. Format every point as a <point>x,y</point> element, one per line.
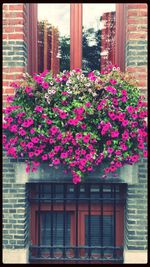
<point>76,35</point>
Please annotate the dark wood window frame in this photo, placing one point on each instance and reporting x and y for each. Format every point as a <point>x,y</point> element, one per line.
<point>76,15</point>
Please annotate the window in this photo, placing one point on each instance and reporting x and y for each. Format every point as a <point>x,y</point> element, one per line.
<point>76,223</point>
<point>67,36</point>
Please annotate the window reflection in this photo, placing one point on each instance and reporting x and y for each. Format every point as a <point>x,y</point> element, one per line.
<point>98,39</point>
<point>53,37</point>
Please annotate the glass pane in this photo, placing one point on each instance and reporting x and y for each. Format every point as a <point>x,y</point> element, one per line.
<point>57,228</point>
<point>53,37</point>
<point>96,231</point>
<point>98,40</point>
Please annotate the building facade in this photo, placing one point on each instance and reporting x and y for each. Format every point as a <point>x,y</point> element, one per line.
<point>39,211</point>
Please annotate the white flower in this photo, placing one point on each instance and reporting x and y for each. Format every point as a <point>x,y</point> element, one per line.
<point>87,84</point>
<point>82,75</point>
<point>46,96</point>
<point>51,83</point>
<point>114,68</point>
<point>90,90</point>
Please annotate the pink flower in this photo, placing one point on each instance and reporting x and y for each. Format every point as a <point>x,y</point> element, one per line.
<point>45,85</point>
<point>57,148</point>
<point>114,134</point>
<point>27,168</point>
<point>135,158</point>
<point>56,161</point>
<point>38,109</point>
<point>118,164</point>
<point>88,104</point>
<point>45,157</point>
<point>125,123</point>
<point>145,153</point>
<point>38,152</point>
<point>141,145</point>
<point>86,138</point>
<point>115,101</point>
<point>51,154</point>
<point>35,140</point>
<point>112,81</point>
<point>108,142</point>
<point>31,154</point>
<point>124,93</point>
<point>123,99</point>
<point>49,121</point>
<point>118,152</point>
<point>125,135</point>
<point>107,170</point>
<point>83,126</point>
<point>30,145</point>
<point>130,109</point>
<point>28,89</point>
<point>89,168</point>
<point>111,89</point>
<point>124,147</point>
<point>32,131</point>
<point>13,128</point>
<point>62,115</point>
<point>23,144</point>
<point>134,116</point>
<point>35,163</point>
<point>78,135</point>
<point>54,130</point>
<point>64,155</point>
<point>110,150</point>
<point>22,132</point>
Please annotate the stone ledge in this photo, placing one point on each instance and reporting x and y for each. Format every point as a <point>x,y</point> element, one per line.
<point>135,256</point>
<point>16,255</point>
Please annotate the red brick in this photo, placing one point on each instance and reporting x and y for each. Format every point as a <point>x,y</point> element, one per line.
<point>136,35</point>
<point>8,29</point>
<point>132,27</point>
<point>16,69</point>
<point>132,13</point>
<point>143,12</point>
<point>9,91</point>
<point>5,6</point>
<point>16,7</point>
<point>19,36</point>
<point>133,6</point>
<point>138,20</point>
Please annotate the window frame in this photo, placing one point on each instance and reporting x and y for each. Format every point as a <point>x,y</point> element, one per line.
<point>76,15</point>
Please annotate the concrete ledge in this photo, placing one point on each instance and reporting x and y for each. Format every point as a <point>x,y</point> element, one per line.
<point>16,255</point>
<point>135,256</point>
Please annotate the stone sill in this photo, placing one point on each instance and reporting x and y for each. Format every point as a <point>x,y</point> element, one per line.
<point>127,174</point>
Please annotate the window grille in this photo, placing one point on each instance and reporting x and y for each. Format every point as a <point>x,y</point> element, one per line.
<point>76,223</point>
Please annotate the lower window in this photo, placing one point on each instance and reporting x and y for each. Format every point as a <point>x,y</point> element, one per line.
<point>76,223</point>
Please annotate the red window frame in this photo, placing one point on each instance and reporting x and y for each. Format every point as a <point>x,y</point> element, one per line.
<point>76,10</point>
<point>82,212</point>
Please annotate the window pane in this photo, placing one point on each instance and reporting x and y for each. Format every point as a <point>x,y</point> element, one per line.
<point>98,40</point>
<point>57,228</point>
<point>96,231</point>
<point>53,37</point>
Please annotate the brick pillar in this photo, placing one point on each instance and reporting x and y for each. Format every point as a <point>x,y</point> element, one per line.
<point>136,208</point>
<point>14,44</point>
<point>15,211</point>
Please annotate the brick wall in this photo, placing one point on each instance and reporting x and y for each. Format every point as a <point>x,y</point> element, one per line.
<point>136,43</point>
<point>136,63</point>
<point>15,208</point>
<point>14,44</point>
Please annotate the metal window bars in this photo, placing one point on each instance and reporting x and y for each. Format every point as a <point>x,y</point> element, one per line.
<point>99,203</point>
